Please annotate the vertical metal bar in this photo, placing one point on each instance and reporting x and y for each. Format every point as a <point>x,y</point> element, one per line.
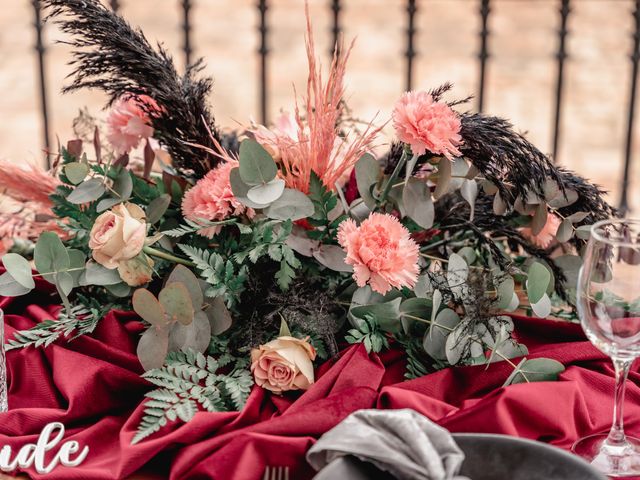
<point>39,47</point>
<point>336,29</point>
<point>565,9</point>
<point>186,28</point>
<point>115,5</point>
<point>485,9</point>
<point>263,51</point>
<point>635,56</point>
<point>412,8</point>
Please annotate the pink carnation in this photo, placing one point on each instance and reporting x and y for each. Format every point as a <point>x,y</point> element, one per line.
<point>129,122</point>
<point>546,235</point>
<point>427,125</point>
<point>212,199</point>
<point>381,252</point>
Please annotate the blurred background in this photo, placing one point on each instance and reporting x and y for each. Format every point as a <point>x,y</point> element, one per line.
<point>561,70</point>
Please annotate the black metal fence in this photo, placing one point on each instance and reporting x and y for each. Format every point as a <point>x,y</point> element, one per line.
<point>412,6</point>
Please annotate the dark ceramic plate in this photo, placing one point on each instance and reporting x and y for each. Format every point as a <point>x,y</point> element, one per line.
<point>488,457</point>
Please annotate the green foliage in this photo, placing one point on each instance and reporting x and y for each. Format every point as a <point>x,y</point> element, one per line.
<point>190,381</point>
<point>268,238</point>
<point>324,201</point>
<point>369,333</point>
<point>192,227</point>
<point>416,360</point>
<point>535,370</point>
<point>224,277</point>
<point>82,319</point>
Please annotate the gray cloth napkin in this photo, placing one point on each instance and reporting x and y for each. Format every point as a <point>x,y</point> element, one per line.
<point>401,442</point>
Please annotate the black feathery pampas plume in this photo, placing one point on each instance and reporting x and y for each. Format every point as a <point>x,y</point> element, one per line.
<point>114,57</point>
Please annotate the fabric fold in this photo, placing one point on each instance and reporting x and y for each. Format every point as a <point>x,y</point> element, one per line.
<point>92,385</point>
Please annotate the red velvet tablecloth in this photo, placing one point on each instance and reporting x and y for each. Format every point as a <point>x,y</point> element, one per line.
<point>92,385</point>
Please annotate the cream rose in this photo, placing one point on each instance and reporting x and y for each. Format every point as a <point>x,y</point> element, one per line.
<point>285,363</point>
<point>118,235</point>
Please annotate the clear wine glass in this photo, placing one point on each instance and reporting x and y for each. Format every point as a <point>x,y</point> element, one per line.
<point>3,368</point>
<point>608,300</point>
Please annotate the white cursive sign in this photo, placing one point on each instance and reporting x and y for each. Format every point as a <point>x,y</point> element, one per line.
<point>33,454</point>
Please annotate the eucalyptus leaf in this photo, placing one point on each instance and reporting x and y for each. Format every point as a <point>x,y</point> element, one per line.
<point>256,165</point>
<point>367,170</point>
<point>444,178</point>
<point>416,198</point>
<point>386,315</point>
<point>77,260</point>
<point>539,219</point>
<point>64,281</point>
<point>489,187</point>
<point>50,256</point>
<point>565,231</point>
<point>457,273</point>
<point>469,254</point>
<point>538,279</point>
<point>9,286</point>
<point>19,268</point>
<point>157,208</point>
<point>434,341</point>
<point>505,291</point>
<point>120,290</point>
<point>414,307</point>
<point>423,287</point>
<point>106,203</point>
<point>123,185</point>
<point>332,257</point>
<point>182,275</point>
<point>499,205</point>
<point>241,189</point>
<point>176,301</point>
<point>551,189</point>
<point>301,243</point>
<point>564,199</point>
<point>411,165</point>
<point>194,336</point>
<point>542,308</point>
<point>469,191</point>
<point>148,307</point>
<point>266,193</point>
<point>219,316</point>
<point>88,191</point>
<point>291,205</point>
<point>578,216</point>
<point>76,172</point>
<point>436,301</point>
<point>153,348</point>
<point>583,232</point>
<point>457,342</point>
<point>535,370</point>
<point>96,274</point>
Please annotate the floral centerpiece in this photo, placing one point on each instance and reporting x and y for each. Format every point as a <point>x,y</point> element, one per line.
<point>250,256</point>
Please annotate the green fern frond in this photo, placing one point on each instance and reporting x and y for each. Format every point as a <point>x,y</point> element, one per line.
<point>189,381</point>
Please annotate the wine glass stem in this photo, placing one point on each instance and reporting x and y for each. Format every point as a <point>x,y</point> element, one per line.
<point>616,434</point>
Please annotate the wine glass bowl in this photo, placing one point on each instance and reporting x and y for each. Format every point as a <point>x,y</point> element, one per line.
<point>608,302</point>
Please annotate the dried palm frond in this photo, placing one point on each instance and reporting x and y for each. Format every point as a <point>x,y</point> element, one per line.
<point>112,56</point>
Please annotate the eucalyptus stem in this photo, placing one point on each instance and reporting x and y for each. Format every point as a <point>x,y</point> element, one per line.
<point>392,179</point>
<point>167,256</point>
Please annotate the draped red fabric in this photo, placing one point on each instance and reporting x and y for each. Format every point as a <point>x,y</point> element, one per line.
<point>92,385</point>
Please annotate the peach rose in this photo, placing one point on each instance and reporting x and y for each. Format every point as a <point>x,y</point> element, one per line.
<point>283,364</point>
<point>118,235</point>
